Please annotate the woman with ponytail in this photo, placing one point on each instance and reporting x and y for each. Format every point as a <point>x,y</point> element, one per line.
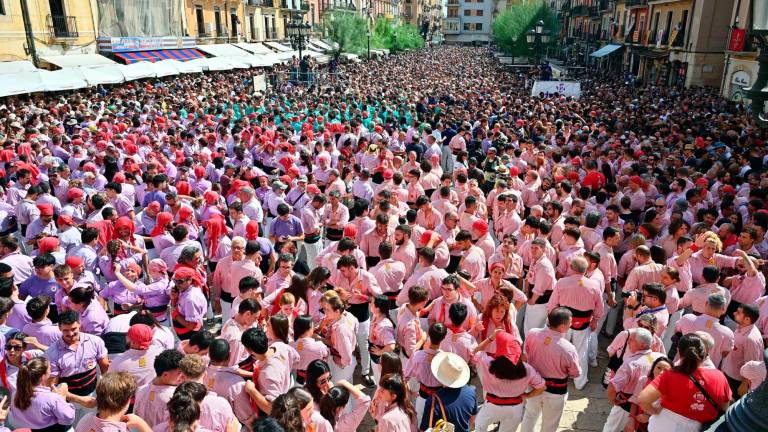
<point>688,396</point>
<point>392,407</point>
<point>184,414</point>
<point>334,403</point>
<point>93,317</point>
<point>38,406</point>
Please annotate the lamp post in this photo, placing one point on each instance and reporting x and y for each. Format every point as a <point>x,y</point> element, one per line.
<point>536,37</point>
<point>759,35</point>
<point>298,31</point>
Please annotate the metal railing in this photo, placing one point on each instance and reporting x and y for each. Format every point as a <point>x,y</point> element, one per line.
<point>62,26</point>
<point>580,10</point>
<point>630,3</point>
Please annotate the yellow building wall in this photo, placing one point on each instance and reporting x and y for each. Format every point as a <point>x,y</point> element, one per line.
<point>13,38</point>
<point>209,17</point>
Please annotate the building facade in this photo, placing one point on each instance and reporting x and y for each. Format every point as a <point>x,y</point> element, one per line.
<point>469,21</point>
<point>741,56</point>
<point>58,27</point>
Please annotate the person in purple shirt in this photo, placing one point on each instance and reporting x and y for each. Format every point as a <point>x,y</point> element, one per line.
<point>122,297</point>
<point>93,317</point>
<point>41,329</point>
<point>286,227</point>
<point>18,316</point>
<point>21,264</point>
<point>159,183</point>
<point>43,281</point>
<point>38,406</point>
<point>155,296</point>
<point>74,359</point>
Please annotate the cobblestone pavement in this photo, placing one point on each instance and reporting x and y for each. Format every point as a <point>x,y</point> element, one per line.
<point>585,411</point>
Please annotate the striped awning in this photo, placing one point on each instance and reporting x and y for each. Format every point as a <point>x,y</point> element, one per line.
<point>159,55</point>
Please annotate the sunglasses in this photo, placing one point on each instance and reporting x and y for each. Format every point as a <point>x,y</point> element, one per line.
<point>179,281</point>
<point>14,348</point>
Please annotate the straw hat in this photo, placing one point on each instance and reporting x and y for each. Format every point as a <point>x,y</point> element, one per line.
<point>450,369</point>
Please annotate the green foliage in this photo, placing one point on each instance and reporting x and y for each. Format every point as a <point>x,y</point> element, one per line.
<point>510,26</point>
<point>347,30</point>
<point>393,37</point>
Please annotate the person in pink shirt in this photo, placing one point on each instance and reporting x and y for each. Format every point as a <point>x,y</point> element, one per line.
<point>369,244</point>
<point>540,281</point>
<point>272,366</point>
<point>458,340</point>
<point>418,367</point>
<point>114,393</point>
<point>427,216</point>
<point>389,273</point>
<point>152,398</point>
<point>747,345</point>
<point>482,237</point>
<point>225,381</point>
<point>644,272</point>
<point>696,298</point>
<point>623,387</point>
<point>473,260</point>
<point>247,316</point>
<point>215,412</point>
<point>486,288</point>
<point>708,254</point>
<point>654,303</point>
<point>550,353</point>
<point>382,334</point>
<point>569,249</point>
<point>438,310</point>
<point>223,290</point>
<point>343,335</point>
<point>709,322</point>
<point>507,382</point>
<point>393,407</point>
<point>584,297</point>
<point>442,249</point>
<point>139,359</point>
<point>309,348</point>
<point>747,286</point>
<point>409,335</point>
<point>405,249</point>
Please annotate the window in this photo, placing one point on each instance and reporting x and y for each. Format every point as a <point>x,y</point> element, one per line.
<point>654,33</point>
<point>467,27</point>
<point>252,24</point>
<point>200,20</point>
<point>680,39</point>
<point>667,29</point>
<point>266,27</point>
<point>234,22</point>
<point>467,12</point>
<point>478,26</point>
<point>479,12</point>
<point>217,18</point>
<point>2,7</point>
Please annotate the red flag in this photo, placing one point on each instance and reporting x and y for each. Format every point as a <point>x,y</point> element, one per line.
<point>738,36</point>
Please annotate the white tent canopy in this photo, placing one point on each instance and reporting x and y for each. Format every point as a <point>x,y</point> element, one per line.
<point>277,46</point>
<point>20,83</point>
<point>12,67</point>
<point>320,44</point>
<point>138,70</point>
<point>254,48</point>
<point>103,75</point>
<point>77,60</point>
<point>223,50</point>
<point>64,79</point>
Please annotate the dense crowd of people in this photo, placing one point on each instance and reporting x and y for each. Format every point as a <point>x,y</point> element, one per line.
<point>420,224</point>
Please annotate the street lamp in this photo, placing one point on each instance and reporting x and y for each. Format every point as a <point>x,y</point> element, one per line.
<point>759,32</point>
<point>536,37</point>
<point>298,31</point>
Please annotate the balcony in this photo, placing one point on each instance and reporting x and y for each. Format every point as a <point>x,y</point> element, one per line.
<point>636,3</point>
<point>62,27</point>
<point>255,2</point>
<point>594,12</point>
<point>453,2</point>
<point>607,5</point>
<point>580,10</point>
<point>451,26</point>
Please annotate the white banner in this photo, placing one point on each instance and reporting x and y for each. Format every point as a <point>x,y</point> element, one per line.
<point>260,83</point>
<point>564,88</point>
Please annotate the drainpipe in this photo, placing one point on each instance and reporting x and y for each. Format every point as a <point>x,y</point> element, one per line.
<point>28,33</point>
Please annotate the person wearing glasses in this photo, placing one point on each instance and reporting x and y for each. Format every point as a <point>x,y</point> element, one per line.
<point>16,355</point>
<point>654,298</point>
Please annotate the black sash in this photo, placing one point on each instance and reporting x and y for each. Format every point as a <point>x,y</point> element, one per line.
<point>556,385</point>
<point>81,384</point>
<point>312,239</point>
<point>226,297</point>
<point>360,311</point>
<point>334,234</point>
<point>53,428</point>
<point>581,319</point>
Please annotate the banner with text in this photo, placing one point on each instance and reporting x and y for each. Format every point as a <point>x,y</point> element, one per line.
<point>563,88</point>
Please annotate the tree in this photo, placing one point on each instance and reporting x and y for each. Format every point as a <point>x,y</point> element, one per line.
<point>510,26</point>
<point>347,30</point>
<point>393,37</point>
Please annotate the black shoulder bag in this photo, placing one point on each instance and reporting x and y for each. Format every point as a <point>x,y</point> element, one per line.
<point>720,412</point>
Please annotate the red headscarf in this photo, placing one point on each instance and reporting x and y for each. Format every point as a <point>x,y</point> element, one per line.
<point>47,244</point>
<point>125,222</point>
<point>236,186</point>
<point>251,230</point>
<point>211,197</point>
<point>185,216</point>
<point>183,188</point>
<point>216,227</point>
<point>163,219</point>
